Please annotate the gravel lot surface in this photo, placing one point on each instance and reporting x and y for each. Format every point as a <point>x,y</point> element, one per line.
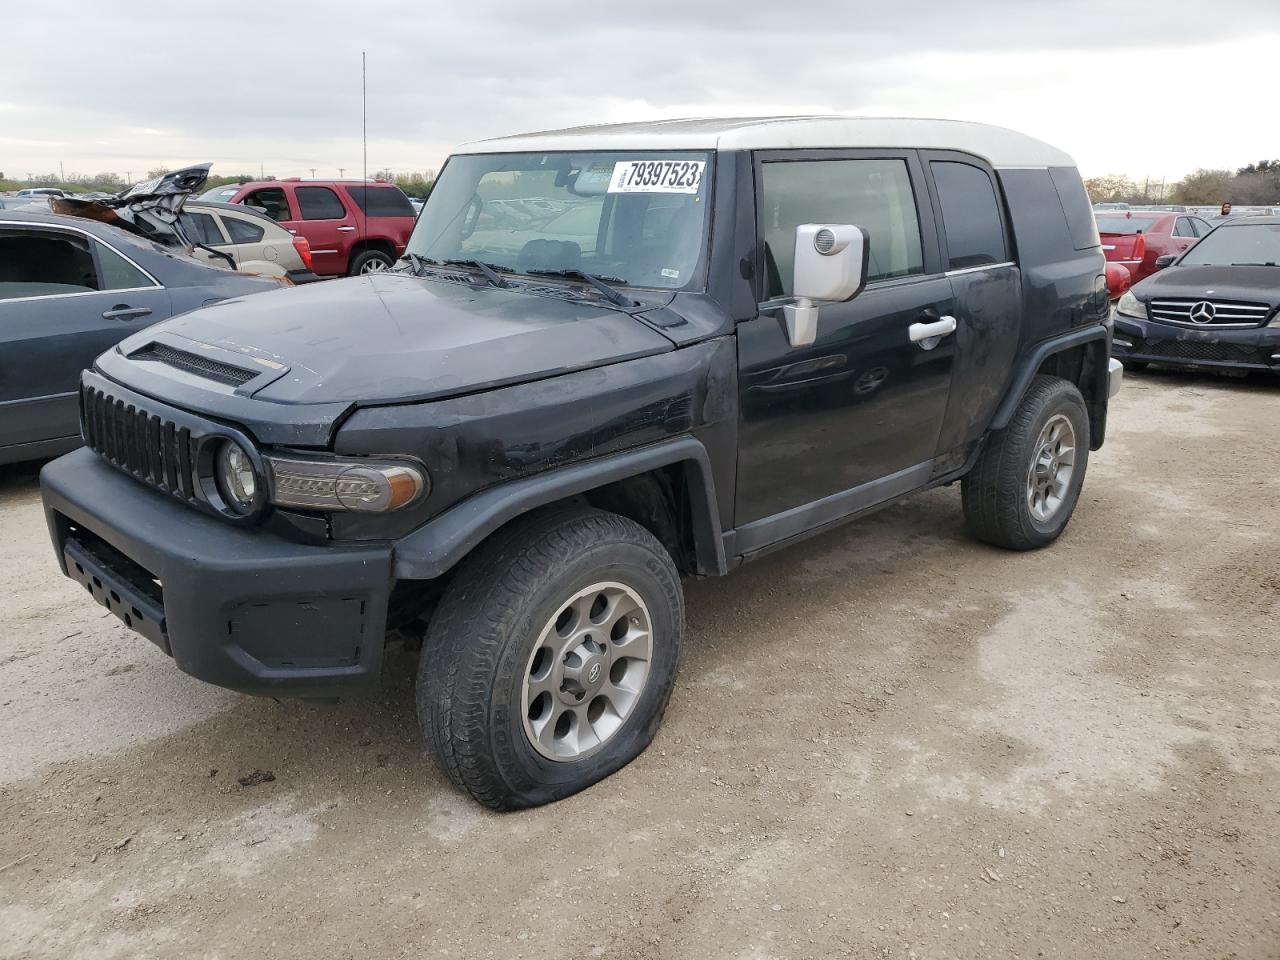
<point>887,742</point>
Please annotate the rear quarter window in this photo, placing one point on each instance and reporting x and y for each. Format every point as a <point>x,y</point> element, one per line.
<point>1039,223</point>
<point>381,201</point>
<point>1076,206</point>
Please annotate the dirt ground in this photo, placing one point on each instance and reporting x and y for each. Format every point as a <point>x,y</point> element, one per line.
<point>888,742</point>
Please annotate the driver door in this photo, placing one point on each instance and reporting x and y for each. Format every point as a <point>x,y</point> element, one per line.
<point>854,418</point>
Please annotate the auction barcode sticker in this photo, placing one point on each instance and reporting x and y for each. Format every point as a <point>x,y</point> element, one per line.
<point>657,176</point>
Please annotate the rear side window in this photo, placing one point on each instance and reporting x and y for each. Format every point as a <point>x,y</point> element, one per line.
<point>319,203</point>
<point>118,273</point>
<point>971,217</point>
<point>1183,228</point>
<point>381,201</point>
<point>271,201</point>
<point>873,194</point>
<point>1200,227</point>
<point>242,231</point>
<point>1075,204</point>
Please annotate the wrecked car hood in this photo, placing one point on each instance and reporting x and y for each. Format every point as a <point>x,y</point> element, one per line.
<point>391,337</point>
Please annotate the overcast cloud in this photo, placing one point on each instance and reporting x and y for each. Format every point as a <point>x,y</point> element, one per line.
<point>1142,88</point>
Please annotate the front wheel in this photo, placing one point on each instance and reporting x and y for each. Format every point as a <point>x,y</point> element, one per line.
<point>551,657</point>
<point>1023,489</point>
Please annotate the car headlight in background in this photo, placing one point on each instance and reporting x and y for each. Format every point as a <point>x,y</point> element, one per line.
<point>367,486</point>
<point>1130,306</point>
<point>235,477</point>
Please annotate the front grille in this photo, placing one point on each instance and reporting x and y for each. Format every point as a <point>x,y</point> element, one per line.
<point>152,448</point>
<point>206,367</point>
<point>1218,313</point>
<point>1204,351</point>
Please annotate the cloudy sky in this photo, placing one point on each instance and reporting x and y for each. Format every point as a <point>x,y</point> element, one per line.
<point>1155,88</point>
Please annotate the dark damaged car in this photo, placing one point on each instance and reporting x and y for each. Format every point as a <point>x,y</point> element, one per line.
<point>75,279</point>
<point>1214,307</point>
<point>611,358</point>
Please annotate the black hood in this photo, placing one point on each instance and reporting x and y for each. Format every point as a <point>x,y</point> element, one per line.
<point>1256,284</point>
<point>392,337</point>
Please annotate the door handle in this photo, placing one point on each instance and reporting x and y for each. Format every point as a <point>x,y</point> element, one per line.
<point>346,229</point>
<point>122,311</point>
<point>922,332</point>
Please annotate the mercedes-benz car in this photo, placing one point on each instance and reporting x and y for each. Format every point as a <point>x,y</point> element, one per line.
<point>1215,306</point>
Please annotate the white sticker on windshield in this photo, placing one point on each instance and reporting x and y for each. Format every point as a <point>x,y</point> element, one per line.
<point>657,176</point>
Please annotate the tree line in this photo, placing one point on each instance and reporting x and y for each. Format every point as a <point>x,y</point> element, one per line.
<point>1253,184</point>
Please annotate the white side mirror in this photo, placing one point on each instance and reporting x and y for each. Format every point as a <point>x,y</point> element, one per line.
<point>831,266</point>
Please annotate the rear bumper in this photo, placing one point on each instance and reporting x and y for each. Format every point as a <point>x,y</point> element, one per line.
<point>1255,348</point>
<point>237,607</point>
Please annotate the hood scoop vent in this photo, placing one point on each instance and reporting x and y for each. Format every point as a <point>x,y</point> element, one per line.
<point>194,363</point>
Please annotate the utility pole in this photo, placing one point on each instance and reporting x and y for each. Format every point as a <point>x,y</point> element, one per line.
<point>313,173</point>
<point>62,174</point>
<point>341,171</point>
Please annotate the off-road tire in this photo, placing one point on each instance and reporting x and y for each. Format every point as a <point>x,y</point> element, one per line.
<point>360,262</point>
<point>994,492</point>
<point>477,650</point>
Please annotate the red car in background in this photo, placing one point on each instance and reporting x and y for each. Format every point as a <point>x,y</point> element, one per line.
<point>353,226</point>
<point>1134,238</point>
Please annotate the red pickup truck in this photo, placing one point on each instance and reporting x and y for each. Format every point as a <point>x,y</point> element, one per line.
<point>1134,238</point>
<point>353,226</point>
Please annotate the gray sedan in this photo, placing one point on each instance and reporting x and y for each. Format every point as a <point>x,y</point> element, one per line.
<point>71,288</point>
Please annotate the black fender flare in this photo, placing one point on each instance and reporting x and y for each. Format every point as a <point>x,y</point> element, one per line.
<point>1036,356</point>
<point>435,547</point>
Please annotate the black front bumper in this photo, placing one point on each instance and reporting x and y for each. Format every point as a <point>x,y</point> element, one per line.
<point>1231,348</point>
<point>239,607</point>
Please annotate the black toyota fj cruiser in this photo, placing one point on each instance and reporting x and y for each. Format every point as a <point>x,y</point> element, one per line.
<point>611,357</point>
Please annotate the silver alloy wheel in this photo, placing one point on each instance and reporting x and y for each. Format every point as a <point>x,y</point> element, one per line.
<point>373,265</point>
<point>1049,476</point>
<point>587,671</point>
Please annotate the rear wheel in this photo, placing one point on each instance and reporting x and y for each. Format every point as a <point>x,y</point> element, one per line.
<point>370,261</point>
<point>1023,489</point>
<point>551,657</point>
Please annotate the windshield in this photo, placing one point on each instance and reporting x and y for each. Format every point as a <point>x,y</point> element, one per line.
<point>221,194</point>
<point>633,218</point>
<point>1125,226</point>
<point>1237,243</point>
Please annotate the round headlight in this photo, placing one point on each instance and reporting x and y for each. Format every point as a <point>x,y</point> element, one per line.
<point>237,481</point>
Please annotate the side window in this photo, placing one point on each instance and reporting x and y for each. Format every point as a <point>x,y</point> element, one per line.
<point>971,215</point>
<point>118,273</point>
<point>1075,206</point>
<point>271,201</point>
<point>319,203</point>
<point>1182,228</point>
<point>242,231</point>
<point>36,263</point>
<point>873,194</point>
<point>1200,227</point>
<point>201,228</point>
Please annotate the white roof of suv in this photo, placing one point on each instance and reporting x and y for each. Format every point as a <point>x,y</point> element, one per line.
<point>999,146</point>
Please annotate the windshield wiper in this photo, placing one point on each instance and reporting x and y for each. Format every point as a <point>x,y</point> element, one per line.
<point>415,261</point>
<point>1269,263</point>
<point>612,294</point>
<point>488,269</point>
